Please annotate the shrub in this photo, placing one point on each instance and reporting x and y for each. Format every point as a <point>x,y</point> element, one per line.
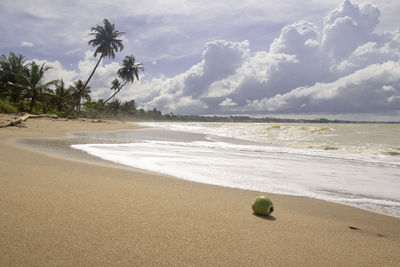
<point>7,108</point>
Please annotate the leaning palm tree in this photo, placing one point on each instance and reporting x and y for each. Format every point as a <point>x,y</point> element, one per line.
<point>106,42</point>
<point>79,92</point>
<point>115,84</point>
<point>128,72</point>
<point>32,83</point>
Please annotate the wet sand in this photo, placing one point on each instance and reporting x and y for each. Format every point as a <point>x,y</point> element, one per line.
<point>63,212</point>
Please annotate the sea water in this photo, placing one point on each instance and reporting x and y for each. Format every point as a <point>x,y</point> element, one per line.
<point>352,164</point>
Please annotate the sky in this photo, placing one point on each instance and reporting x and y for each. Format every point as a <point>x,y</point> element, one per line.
<point>217,57</point>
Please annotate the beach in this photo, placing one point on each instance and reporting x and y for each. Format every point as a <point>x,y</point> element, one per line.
<point>61,212</point>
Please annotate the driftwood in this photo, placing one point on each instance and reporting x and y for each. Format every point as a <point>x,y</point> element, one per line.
<point>17,122</point>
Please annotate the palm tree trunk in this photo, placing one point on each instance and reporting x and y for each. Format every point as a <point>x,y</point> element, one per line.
<point>116,92</point>
<point>86,83</point>
<point>94,70</point>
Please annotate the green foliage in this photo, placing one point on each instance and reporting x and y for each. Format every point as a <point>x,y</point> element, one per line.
<point>113,108</point>
<point>79,93</point>
<point>115,84</point>
<point>7,108</point>
<point>116,109</point>
<point>106,39</point>
<point>130,69</point>
<point>22,105</point>
<point>129,107</point>
<point>62,97</point>
<point>128,72</point>
<point>106,42</point>
<point>94,109</point>
<point>32,84</point>
<point>12,68</point>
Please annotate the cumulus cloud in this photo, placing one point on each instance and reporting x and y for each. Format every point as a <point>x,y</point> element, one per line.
<point>384,48</point>
<point>57,71</point>
<point>220,60</point>
<point>186,92</point>
<point>344,67</point>
<point>300,39</point>
<point>374,88</point>
<point>348,27</point>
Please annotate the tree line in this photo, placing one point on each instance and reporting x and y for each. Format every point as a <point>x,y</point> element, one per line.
<point>23,89</point>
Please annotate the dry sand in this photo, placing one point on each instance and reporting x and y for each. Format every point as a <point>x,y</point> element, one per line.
<point>56,212</point>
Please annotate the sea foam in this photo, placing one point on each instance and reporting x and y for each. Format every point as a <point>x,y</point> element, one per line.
<point>362,180</point>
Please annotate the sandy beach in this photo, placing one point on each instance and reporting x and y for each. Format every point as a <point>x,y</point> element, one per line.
<point>59,212</point>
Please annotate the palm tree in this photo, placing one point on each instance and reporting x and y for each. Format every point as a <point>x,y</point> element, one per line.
<point>114,107</point>
<point>79,92</point>
<point>130,69</point>
<point>10,69</point>
<point>129,107</point>
<point>32,83</point>
<point>115,84</point>
<point>62,95</point>
<point>128,72</point>
<point>107,43</point>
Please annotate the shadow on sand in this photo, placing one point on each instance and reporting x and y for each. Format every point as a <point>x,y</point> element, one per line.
<point>265,217</point>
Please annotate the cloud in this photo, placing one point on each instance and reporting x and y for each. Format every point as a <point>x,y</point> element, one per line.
<point>57,71</point>
<point>348,27</point>
<point>385,47</point>
<point>345,67</point>
<point>374,88</point>
<point>227,103</point>
<point>27,44</point>
<point>186,92</point>
<point>100,82</point>
<point>300,39</point>
<point>220,60</point>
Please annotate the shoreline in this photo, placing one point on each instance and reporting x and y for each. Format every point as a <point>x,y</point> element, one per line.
<point>61,148</point>
<point>62,212</point>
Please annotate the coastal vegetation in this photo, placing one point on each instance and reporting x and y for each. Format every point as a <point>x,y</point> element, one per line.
<point>23,87</point>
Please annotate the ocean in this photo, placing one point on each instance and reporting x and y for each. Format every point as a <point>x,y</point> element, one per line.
<point>352,164</point>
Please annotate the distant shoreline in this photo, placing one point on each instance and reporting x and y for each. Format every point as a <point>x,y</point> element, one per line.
<point>237,118</point>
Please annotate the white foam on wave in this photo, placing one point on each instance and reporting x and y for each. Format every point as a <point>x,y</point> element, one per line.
<point>375,140</point>
<point>317,174</point>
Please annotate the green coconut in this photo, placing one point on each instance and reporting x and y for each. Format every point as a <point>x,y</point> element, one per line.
<point>263,206</point>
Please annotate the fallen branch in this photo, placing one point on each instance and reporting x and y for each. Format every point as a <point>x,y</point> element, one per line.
<point>18,121</point>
